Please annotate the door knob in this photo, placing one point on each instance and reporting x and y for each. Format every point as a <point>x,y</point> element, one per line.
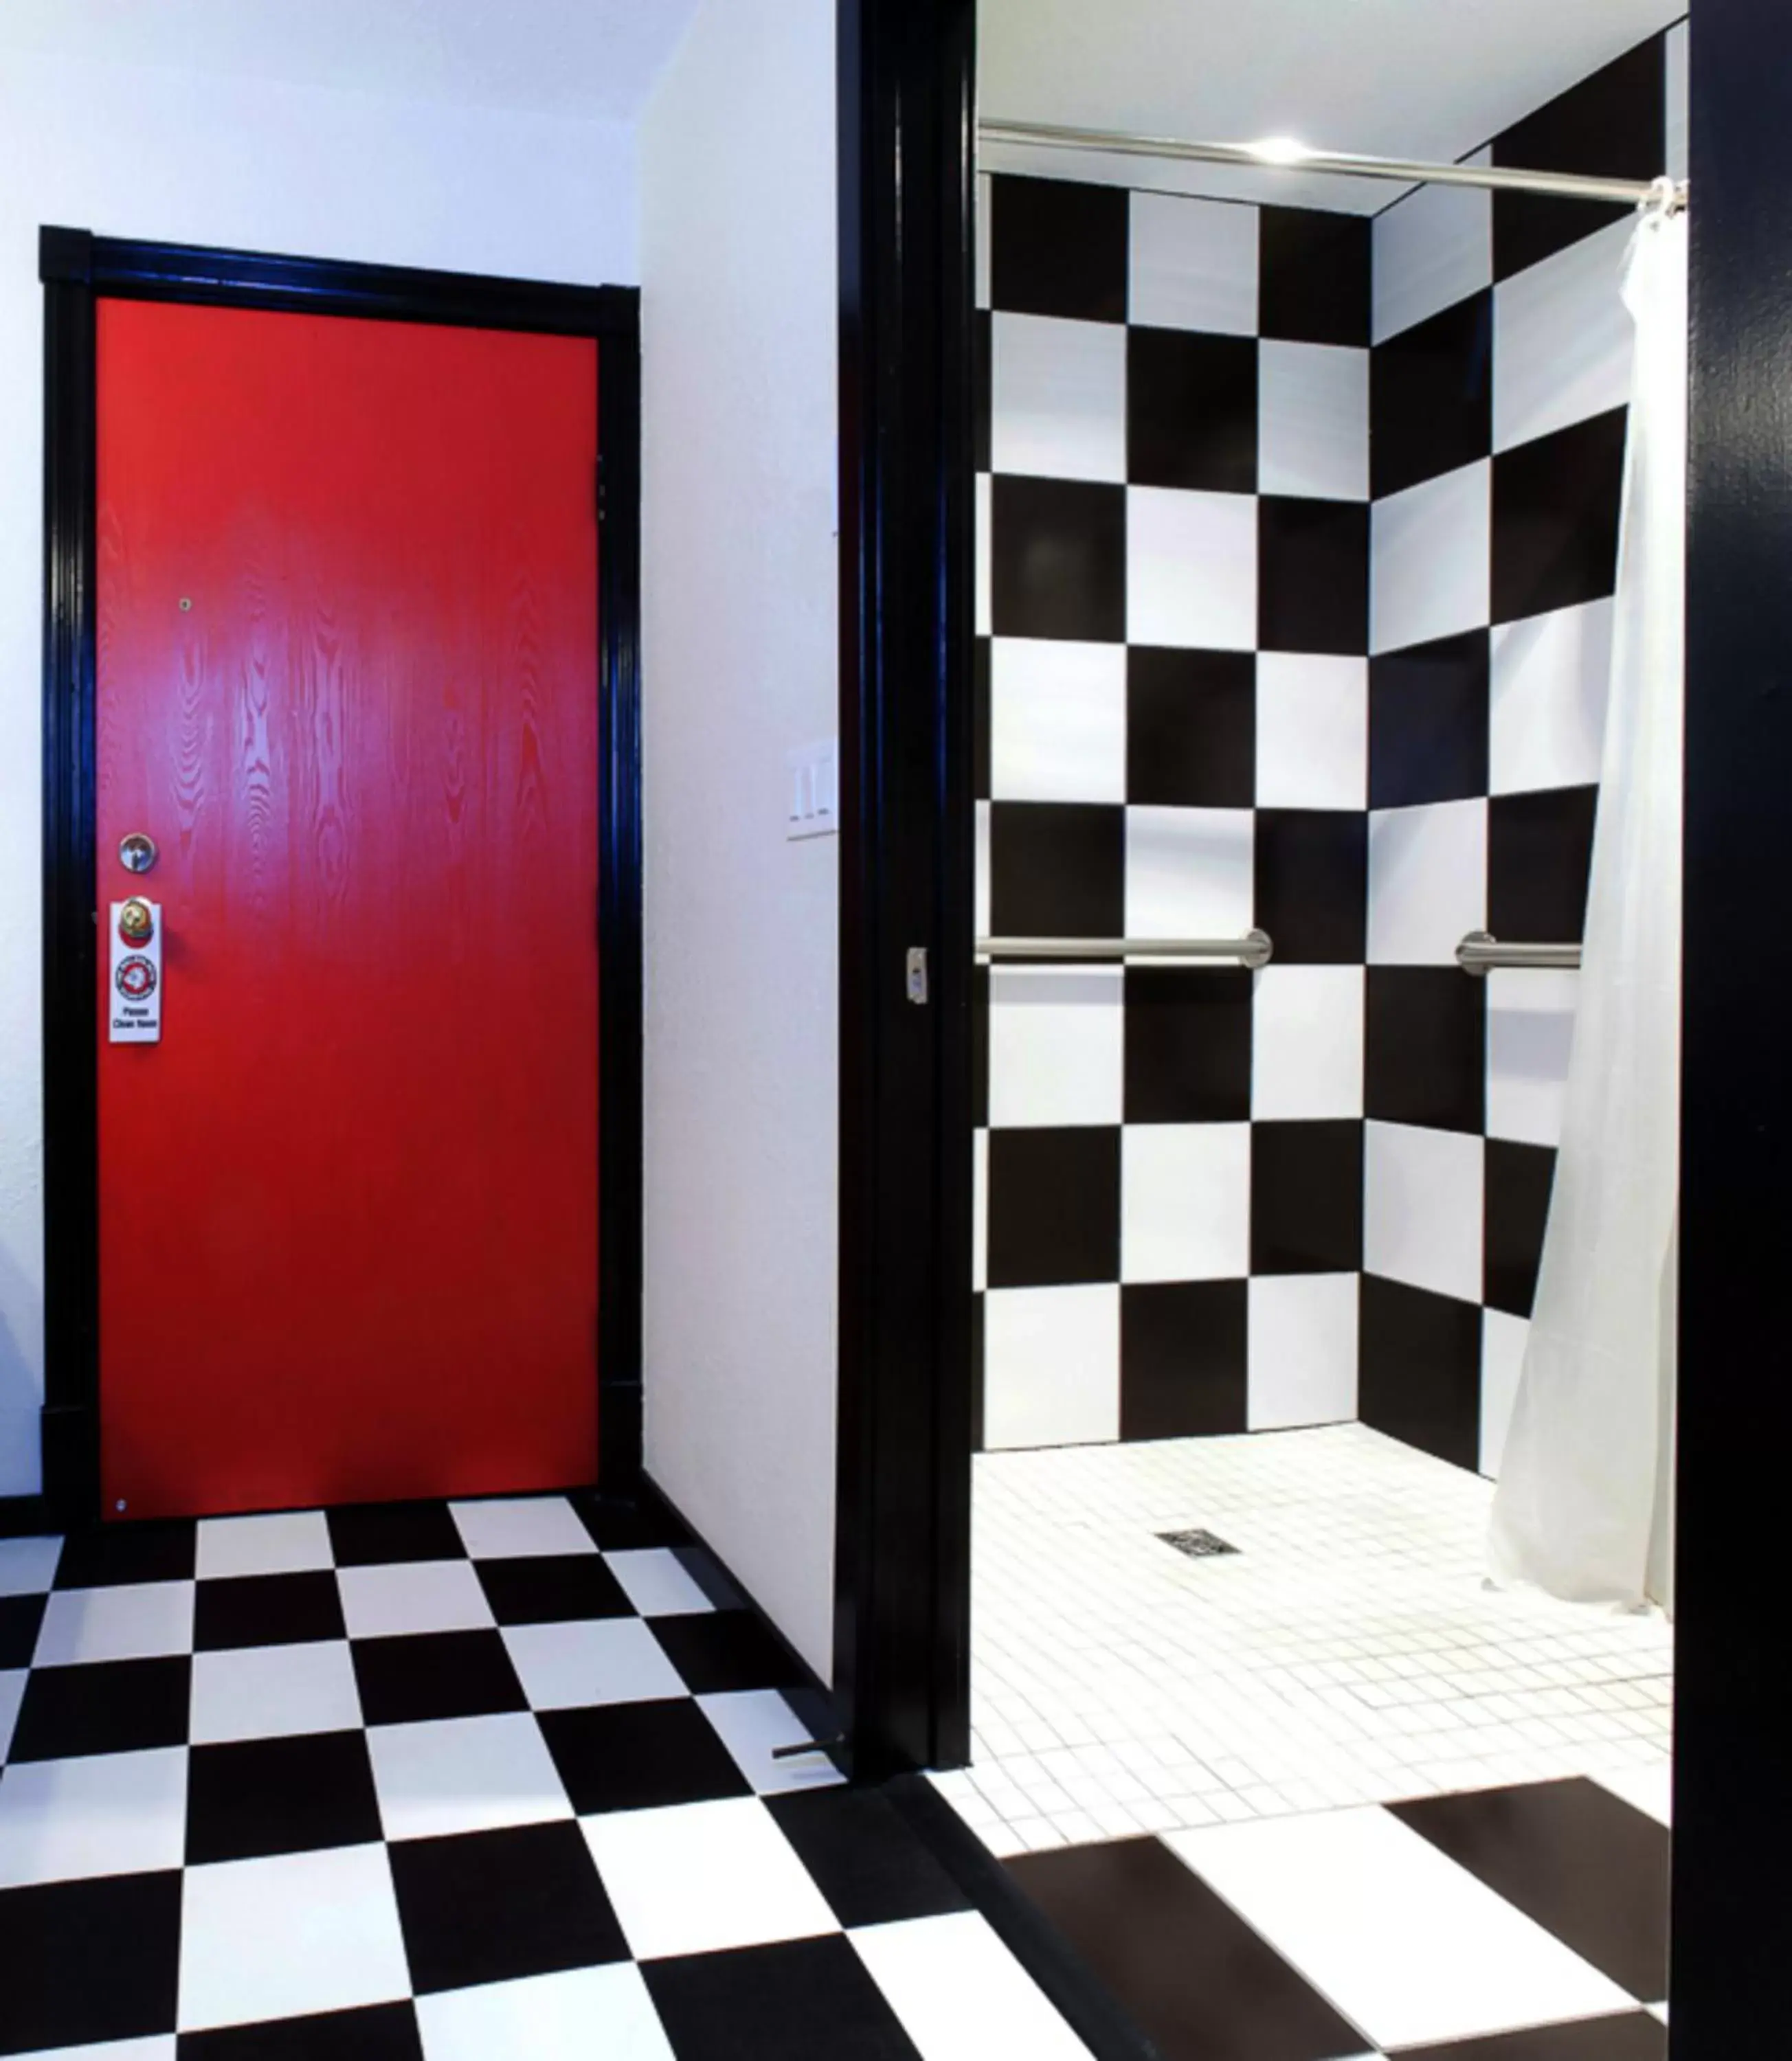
<point>136,924</point>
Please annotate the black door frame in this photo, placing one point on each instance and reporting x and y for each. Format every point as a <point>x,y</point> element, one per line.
<point>907,98</point>
<point>78,269</point>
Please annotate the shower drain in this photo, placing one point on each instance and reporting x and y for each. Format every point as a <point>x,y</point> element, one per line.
<point>1197,1545</point>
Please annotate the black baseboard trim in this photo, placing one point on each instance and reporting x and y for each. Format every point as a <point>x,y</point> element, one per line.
<point>813,1702</point>
<point>24,1516</point>
<point>1078,1996</point>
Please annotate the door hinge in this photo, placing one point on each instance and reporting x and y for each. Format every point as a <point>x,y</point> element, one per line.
<point>917,975</point>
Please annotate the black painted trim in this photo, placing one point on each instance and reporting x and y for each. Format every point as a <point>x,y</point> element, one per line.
<point>1079,1995</point>
<point>903,1529</point>
<point>78,268</point>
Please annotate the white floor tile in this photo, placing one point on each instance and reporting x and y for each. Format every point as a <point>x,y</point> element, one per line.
<point>28,1566</point>
<point>578,2015</point>
<point>464,1775</point>
<point>1530,1035</point>
<point>1312,732</point>
<point>1405,1943</point>
<point>1057,721</point>
<point>1307,1043</point>
<point>1430,559</point>
<point>288,1542</point>
<point>273,1691</point>
<point>699,1878</point>
<point>752,1723</point>
<point>417,1595</point>
<point>591,1660</point>
<point>1191,569</point>
<point>518,1527</point>
<point>108,1813</point>
<point>1056,1045</point>
<point>154,2049</point>
<point>1562,338</point>
<point>1050,1366</point>
<point>1302,1345</point>
<point>656,1582</point>
<point>12,1693</point>
<point>1312,413</point>
<point>1434,247</point>
<point>1190,872</point>
<point>1650,1789</point>
<point>1193,264</point>
<point>289,1936</point>
<point>1549,678</point>
<point>134,1623</point>
<point>1185,1201</point>
<point>1058,394</point>
<point>1423,1202</point>
<point>960,1995</point>
<point>1427,881</point>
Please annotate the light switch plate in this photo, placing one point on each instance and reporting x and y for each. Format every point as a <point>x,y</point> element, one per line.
<point>812,803</point>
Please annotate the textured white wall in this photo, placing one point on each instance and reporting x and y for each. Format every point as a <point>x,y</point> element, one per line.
<point>167,154</point>
<point>738,263</point>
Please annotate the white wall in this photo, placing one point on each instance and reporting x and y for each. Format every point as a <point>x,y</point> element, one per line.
<point>738,264</point>
<point>166,153</point>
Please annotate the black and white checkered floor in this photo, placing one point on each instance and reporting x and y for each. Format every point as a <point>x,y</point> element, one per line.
<point>459,1781</point>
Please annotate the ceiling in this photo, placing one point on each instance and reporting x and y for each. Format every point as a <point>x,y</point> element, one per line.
<point>1404,78</point>
<point>589,59</point>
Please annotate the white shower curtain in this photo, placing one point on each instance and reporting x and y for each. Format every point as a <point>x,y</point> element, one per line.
<point>1584,1505</point>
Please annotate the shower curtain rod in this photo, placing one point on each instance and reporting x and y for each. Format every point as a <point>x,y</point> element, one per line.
<point>1282,153</point>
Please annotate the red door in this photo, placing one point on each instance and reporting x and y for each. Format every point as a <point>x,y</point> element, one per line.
<point>347,666</point>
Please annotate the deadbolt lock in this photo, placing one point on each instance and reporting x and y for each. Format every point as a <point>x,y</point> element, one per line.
<point>136,924</point>
<point>136,852</point>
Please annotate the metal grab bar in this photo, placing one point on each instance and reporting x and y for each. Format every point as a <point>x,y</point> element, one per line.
<point>1253,950</point>
<point>1478,953</point>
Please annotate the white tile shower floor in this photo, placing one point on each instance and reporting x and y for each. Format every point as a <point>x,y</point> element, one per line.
<point>1349,1653</point>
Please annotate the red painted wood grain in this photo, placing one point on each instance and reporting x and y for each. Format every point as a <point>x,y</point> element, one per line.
<point>348,658</point>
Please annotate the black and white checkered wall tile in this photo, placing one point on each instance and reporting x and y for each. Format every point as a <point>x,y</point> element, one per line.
<point>1296,542</point>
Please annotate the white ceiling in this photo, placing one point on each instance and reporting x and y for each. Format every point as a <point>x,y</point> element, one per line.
<point>1404,79</point>
<point>584,58</point>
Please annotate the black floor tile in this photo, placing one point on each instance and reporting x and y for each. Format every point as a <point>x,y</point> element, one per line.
<point>1632,2036</point>
<point>1312,575</point>
<point>1428,722</point>
<point>1191,410</point>
<point>267,1610</point>
<point>1183,1359</point>
<point>21,1619</point>
<point>369,1535</point>
<point>718,1651</point>
<point>1057,869</point>
<point>1431,396</point>
<point>1539,854</point>
<point>420,1675</point>
<point>103,1706</point>
<point>638,1756</point>
<point>1188,1045</point>
<point>1192,1975</point>
<point>1425,1059</point>
<point>1587,1866</point>
<point>1057,550</point>
<point>494,1907</point>
<point>1315,284</point>
<point>1518,1181</point>
<point>1307,1196</point>
<point>114,1555</point>
<point>706,1570</point>
<point>1054,1205</point>
<point>620,1524</point>
<point>863,1858</point>
<point>552,1588</point>
<point>1557,505</point>
<point>1191,728</point>
<point>1420,1369</point>
<point>279,1796</point>
<point>794,2002</point>
<point>82,1961</point>
<point>1058,247</point>
<point>379,2032</point>
<point>1311,869</point>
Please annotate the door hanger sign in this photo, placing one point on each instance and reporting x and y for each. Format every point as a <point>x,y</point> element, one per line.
<point>134,990</point>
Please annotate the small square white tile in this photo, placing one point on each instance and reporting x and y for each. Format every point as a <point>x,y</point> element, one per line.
<point>1058,394</point>
<point>1313,420</point>
<point>1423,1205</point>
<point>701,1878</point>
<point>1307,1043</point>
<point>1530,1037</point>
<point>12,1695</point>
<point>752,1723</point>
<point>1302,1336</point>
<point>984,498</point>
<point>1194,263</point>
<point>273,1692</point>
<point>579,2015</point>
<point>464,1775</point>
<point>289,1937</point>
<point>1186,1209</point>
<point>1408,1945</point>
<point>106,1813</point>
<point>288,1542</point>
<point>1427,881</point>
<point>1430,565</point>
<point>657,1582</point>
<point>590,1660</point>
<point>1190,872</point>
<point>1312,732</point>
<point>1191,569</point>
<point>1057,721</point>
<point>1562,339</point>
<point>520,1527</point>
<point>1550,679</point>
<point>1050,1366</point>
<point>1502,1360</point>
<point>1433,248</point>
<point>28,1566</point>
<point>1056,1045</point>
<point>417,1595</point>
<point>137,1621</point>
<point>960,1994</point>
